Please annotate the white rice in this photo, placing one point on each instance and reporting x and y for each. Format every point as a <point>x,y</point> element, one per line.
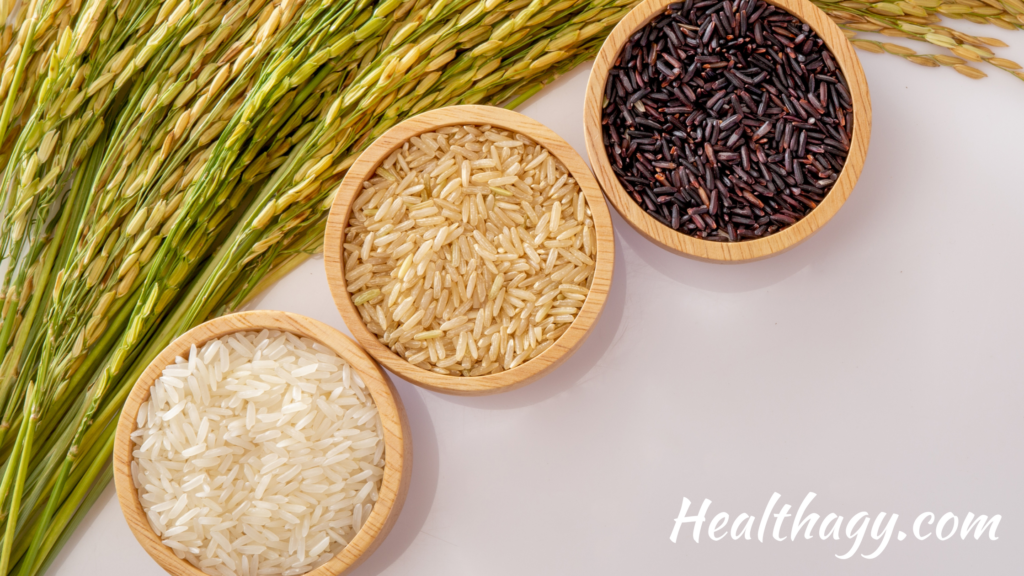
<point>260,453</point>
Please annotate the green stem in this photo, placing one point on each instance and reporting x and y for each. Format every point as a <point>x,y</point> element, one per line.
<point>80,478</point>
<point>32,409</point>
<point>11,466</point>
<point>63,532</point>
<point>73,504</point>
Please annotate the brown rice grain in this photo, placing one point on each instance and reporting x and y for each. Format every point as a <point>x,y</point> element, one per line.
<point>470,250</point>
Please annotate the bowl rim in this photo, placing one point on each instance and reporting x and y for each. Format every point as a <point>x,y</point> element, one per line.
<point>397,453</point>
<point>367,163</point>
<point>748,250</point>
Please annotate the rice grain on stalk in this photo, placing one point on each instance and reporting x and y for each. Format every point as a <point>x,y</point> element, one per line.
<point>923,21</point>
<point>172,159</point>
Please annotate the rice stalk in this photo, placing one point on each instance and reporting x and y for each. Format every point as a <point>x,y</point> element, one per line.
<point>922,21</point>
<point>105,266</point>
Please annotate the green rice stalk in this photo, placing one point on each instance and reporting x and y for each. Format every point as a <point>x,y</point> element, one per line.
<point>921,22</point>
<point>371,62</point>
<point>18,471</point>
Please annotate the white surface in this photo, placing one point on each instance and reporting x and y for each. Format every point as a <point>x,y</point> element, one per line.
<point>878,365</point>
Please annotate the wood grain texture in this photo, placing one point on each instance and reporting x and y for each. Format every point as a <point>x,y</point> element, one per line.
<point>365,166</point>
<point>728,252</point>
<point>397,452</point>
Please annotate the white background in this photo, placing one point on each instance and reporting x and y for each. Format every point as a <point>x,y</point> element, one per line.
<point>878,364</point>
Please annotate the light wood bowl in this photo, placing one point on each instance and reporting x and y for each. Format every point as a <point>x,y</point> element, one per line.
<point>397,452</point>
<point>364,167</point>
<point>728,252</point>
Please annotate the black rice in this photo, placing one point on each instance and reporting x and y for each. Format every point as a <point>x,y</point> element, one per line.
<point>727,121</point>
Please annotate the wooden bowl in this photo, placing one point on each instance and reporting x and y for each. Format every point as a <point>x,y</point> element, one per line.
<point>728,252</point>
<point>364,167</point>
<point>397,452</point>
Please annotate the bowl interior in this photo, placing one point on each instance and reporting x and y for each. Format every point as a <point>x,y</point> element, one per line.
<point>728,252</point>
<point>397,453</point>
<point>365,166</point>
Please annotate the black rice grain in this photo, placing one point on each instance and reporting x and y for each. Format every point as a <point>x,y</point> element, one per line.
<point>727,121</point>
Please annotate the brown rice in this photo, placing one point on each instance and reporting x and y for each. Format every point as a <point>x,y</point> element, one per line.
<point>470,251</point>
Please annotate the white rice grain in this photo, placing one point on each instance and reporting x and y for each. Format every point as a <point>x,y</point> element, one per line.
<point>225,434</point>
